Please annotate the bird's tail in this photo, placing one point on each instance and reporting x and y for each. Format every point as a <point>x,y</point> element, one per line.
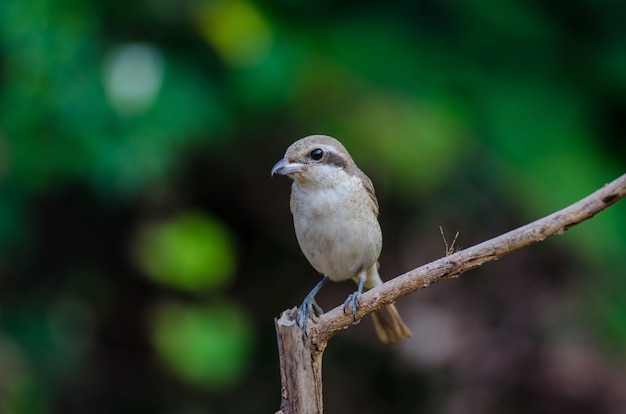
<point>387,321</point>
<point>389,325</point>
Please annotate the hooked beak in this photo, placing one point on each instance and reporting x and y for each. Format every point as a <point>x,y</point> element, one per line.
<point>284,167</point>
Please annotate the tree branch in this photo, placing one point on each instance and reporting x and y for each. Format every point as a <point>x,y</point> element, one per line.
<point>308,356</point>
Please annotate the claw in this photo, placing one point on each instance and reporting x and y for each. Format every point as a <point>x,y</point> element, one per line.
<point>309,305</point>
<point>306,310</point>
<point>352,303</point>
<point>317,309</point>
<point>354,299</point>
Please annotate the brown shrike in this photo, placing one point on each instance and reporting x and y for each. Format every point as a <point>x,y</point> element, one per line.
<point>335,215</point>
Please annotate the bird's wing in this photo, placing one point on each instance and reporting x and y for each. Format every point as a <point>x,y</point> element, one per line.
<point>369,187</point>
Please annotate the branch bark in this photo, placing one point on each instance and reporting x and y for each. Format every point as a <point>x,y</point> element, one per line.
<point>301,354</point>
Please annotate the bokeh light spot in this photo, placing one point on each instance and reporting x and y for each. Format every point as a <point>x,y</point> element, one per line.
<point>189,252</point>
<point>204,345</point>
<point>133,75</point>
<point>237,30</point>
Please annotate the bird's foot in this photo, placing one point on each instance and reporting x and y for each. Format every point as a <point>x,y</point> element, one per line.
<point>306,311</point>
<point>352,303</point>
<point>309,306</point>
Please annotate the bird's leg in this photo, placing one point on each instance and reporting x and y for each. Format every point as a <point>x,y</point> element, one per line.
<point>354,299</point>
<point>309,305</point>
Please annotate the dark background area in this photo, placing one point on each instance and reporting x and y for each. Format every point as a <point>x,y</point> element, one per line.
<point>144,249</point>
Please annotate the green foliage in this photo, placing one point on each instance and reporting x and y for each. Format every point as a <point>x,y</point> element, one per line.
<point>142,108</point>
<point>56,58</point>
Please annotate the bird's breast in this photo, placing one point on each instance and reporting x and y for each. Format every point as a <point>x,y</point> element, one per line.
<point>337,229</point>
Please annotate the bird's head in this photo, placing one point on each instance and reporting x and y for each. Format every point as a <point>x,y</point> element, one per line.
<point>314,158</point>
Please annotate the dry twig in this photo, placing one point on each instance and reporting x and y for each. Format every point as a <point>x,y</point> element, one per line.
<point>449,249</point>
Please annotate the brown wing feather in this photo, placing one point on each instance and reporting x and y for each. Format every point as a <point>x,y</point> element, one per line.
<point>369,187</point>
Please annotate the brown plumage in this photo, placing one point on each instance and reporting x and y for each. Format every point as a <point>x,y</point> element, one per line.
<point>335,214</point>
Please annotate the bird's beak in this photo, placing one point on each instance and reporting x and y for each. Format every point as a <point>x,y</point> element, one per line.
<point>284,167</point>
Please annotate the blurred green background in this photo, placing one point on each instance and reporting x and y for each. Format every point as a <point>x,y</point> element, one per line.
<point>144,250</point>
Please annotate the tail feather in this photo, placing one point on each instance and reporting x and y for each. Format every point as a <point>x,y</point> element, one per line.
<point>387,320</point>
<point>389,325</point>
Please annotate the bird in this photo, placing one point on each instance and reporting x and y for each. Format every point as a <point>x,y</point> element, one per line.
<point>335,216</point>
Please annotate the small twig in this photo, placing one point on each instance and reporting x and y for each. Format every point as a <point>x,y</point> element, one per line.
<point>449,249</point>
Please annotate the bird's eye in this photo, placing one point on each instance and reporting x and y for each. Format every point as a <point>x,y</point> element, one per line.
<point>316,154</point>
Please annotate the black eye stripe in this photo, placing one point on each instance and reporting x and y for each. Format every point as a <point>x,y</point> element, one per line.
<point>335,160</point>
<point>328,158</point>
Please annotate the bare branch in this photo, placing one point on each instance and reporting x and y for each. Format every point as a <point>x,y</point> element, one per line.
<point>301,354</point>
<point>453,265</point>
